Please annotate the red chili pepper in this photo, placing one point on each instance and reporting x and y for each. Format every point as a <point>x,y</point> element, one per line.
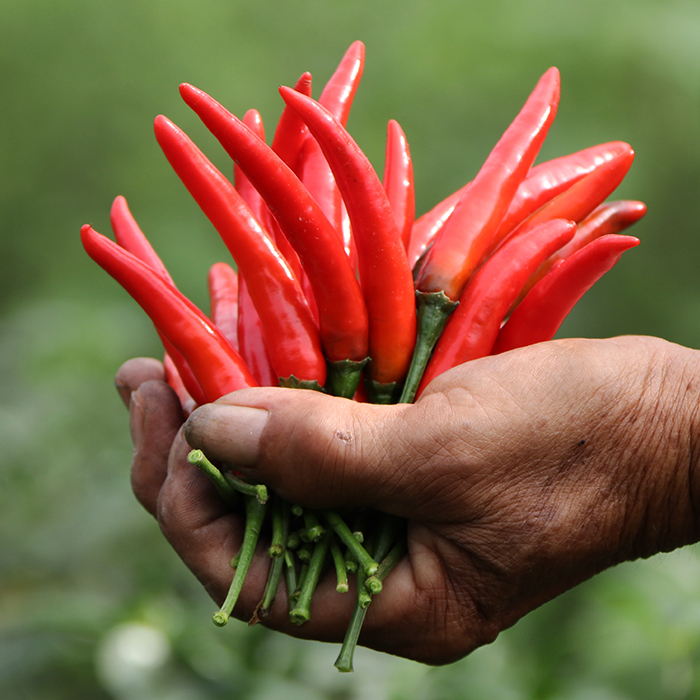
<point>339,92</point>
<point>218,367</point>
<point>222,282</point>
<point>544,182</point>
<point>291,132</point>
<point>467,235</point>
<point>185,375</point>
<point>173,378</point>
<point>548,180</point>
<point>385,276</point>
<point>253,120</point>
<point>258,207</point>
<point>538,317</point>
<point>336,97</point>
<point>130,237</point>
<point>427,227</point>
<point>582,198</point>
<point>606,219</point>
<point>342,313</point>
<point>294,344</point>
<point>398,180</point>
<point>251,339</point>
<point>472,329</point>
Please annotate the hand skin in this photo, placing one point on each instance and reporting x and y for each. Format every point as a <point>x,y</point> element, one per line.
<point>521,475</point>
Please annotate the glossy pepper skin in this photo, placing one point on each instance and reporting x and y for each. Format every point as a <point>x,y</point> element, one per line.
<point>548,180</point>
<point>218,367</point>
<point>294,343</point>
<point>544,182</point>
<point>539,315</point>
<point>468,233</point>
<point>337,97</point>
<point>398,180</point>
<point>343,322</point>
<point>291,132</point>
<point>582,198</point>
<point>385,276</point>
<point>472,329</point>
<point>222,283</point>
<point>611,217</point>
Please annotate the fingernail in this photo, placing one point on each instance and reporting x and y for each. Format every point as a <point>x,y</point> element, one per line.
<point>228,433</point>
<point>136,418</point>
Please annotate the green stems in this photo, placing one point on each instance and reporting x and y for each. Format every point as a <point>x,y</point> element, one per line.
<point>433,311</point>
<point>301,611</point>
<point>226,492</point>
<point>343,531</point>
<point>255,514</point>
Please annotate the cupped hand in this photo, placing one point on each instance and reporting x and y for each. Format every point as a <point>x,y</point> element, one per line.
<point>521,475</point>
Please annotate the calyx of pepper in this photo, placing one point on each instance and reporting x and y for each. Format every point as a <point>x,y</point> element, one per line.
<point>432,311</point>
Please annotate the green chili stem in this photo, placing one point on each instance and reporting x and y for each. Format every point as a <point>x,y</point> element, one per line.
<point>347,651</point>
<point>280,527</point>
<point>290,575</point>
<point>257,490</point>
<point>381,393</point>
<point>433,310</point>
<point>343,531</point>
<point>227,494</point>
<point>314,529</point>
<point>302,610</point>
<point>341,572</point>
<point>255,514</point>
<point>343,377</point>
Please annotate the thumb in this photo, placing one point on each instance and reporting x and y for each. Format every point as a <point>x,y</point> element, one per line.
<point>313,449</point>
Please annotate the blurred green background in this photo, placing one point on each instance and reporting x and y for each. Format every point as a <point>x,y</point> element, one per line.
<point>93,604</point>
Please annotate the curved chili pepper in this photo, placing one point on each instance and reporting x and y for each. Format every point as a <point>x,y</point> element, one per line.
<point>294,343</point>
<point>256,204</point>
<point>544,182</point>
<point>472,329</point>
<point>251,339</point>
<point>385,276</point>
<point>174,379</point>
<point>427,227</point>
<point>339,91</point>
<point>129,236</point>
<point>582,198</point>
<point>291,132</point>
<point>337,97</point>
<point>222,282</point>
<point>218,367</point>
<point>398,180</point>
<point>606,219</point>
<point>539,315</point>
<point>548,180</point>
<point>465,238</point>
<point>180,373</point>
<point>342,314</point>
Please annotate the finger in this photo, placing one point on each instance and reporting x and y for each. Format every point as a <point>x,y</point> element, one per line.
<point>323,451</point>
<point>135,372</point>
<point>206,535</point>
<point>155,418</point>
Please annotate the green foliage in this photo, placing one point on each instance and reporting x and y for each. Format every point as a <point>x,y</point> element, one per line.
<point>93,604</point>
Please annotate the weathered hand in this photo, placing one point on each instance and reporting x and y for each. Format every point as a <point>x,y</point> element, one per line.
<point>521,475</point>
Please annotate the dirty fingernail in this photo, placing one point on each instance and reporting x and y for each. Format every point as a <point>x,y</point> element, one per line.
<point>227,433</point>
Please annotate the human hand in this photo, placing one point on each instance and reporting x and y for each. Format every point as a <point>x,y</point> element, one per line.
<point>521,475</point>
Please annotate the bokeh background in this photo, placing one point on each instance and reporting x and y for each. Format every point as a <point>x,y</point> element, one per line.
<point>93,604</point>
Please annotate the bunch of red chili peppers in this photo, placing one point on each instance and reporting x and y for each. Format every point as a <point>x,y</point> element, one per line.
<point>338,289</point>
